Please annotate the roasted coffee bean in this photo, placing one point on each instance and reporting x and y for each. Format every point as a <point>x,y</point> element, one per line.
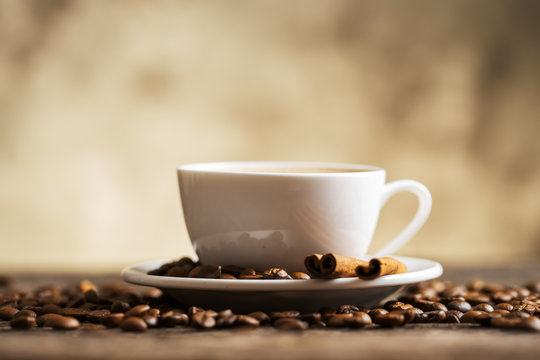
<point>396,305</point>
<point>530,323</point>
<point>23,322</point>
<point>7,312</point>
<point>76,301</point>
<point>518,315</point>
<point>120,306</point>
<point>504,306</point>
<point>49,309</point>
<point>153,312</point>
<point>392,319</point>
<point>436,316</point>
<point>426,305</point>
<point>300,276</point>
<point>179,270</point>
<point>25,312</point>
<point>193,310</point>
<point>283,314</point>
<point>90,326</point>
<point>475,299</point>
<point>133,323</point>
<point>151,321</point>
<point>470,316</point>
<point>210,271</point>
<point>484,307</point>
<point>226,321</point>
<point>353,320</point>
<point>61,322</point>
<point>138,310</point>
<point>421,318</point>
<point>453,316</point>
<point>347,309</point>
<point>534,286</point>
<point>227,277</point>
<point>277,274</point>
<point>152,293</point>
<point>376,312</point>
<point>459,305</point>
<point>262,317</point>
<point>232,270</point>
<point>247,321</point>
<point>91,296</point>
<point>203,320</point>
<point>97,315</point>
<point>408,314</point>
<point>247,272</point>
<point>77,313</point>
<point>251,277</point>
<point>113,320</point>
<point>174,318</point>
<point>310,318</point>
<point>291,324</point>
<point>501,297</point>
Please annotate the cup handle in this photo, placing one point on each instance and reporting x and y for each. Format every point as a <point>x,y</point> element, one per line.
<point>424,208</point>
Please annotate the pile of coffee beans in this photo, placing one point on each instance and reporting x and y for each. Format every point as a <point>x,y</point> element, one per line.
<point>185,267</point>
<point>120,306</point>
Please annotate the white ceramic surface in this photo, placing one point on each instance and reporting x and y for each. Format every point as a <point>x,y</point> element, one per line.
<point>264,219</point>
<point>273,295</point>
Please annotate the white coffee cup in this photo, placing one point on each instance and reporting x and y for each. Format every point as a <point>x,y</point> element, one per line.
<point>273,214</point>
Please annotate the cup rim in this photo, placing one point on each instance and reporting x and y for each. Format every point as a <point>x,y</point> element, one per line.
<point>231,167</point>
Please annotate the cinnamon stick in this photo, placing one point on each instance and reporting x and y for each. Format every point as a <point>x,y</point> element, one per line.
<point>332,266</point>
<point>380,266</point>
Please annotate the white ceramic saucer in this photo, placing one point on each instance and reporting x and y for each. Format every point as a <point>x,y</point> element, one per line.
<point>275,295</point>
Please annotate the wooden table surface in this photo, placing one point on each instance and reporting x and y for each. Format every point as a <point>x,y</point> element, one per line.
<point>414,341</point>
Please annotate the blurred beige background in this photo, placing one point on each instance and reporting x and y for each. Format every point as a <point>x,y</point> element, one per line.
<point>101,100</point>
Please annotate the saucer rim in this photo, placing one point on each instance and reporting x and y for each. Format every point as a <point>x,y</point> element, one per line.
<point>136,274</point>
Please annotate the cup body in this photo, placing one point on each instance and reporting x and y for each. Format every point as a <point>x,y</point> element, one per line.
<point>268,219</point>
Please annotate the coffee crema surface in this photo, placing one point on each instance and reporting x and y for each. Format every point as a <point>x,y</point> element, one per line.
<point>297,170</point>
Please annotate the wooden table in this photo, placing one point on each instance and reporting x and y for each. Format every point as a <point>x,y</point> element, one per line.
<point>441,341</point>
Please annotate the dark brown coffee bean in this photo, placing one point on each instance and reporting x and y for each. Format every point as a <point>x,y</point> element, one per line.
<point>376,312</point>
<point>436,316</point>
<point>61,322</point>
<point>484,307</point>
<point>459,305</point>
<point>531,323</point>
<point>49,309</point>
<point>426,305</point>
<point>391,319</point>
<point>151,321</point>
<point>113,320</point>
<point>25,312</point>
<point>138,310</point>
<point>226,321</point>
<point>203,320</point>
<point>478,298</point>
<point>291,324</point>
<point>300,276</point>
<point>97,315</point>
<point>76,301</point>
<point>276,274</point>
<point>227,277</point>
<point>247,321</point>
<point>347,309</point>
<point>210,271</point>
<point>193,310</point>
<point>91,296</point>
<point>396,305</point>
<point>262,317</point>
<point>534,286</point>
<point>174,318</point>
<point>7,312</point>
<point>453,316</point>
<point>310,318</point>
<point>470,316</point>
<point>408,314</point>
<point>421,318</point>
<point>120,307</point>
<point>504,306</point>
<point>283,314</point>
<point>501,297</point>
<point>232,270</point>
<point>23,322</point>
<point>77,313</point>
<point>134,324</point>
<point>247,272</point>
<point>89,326</point>
<point>212,313</point>
<point>180,270</point>
<point>518,315</point>
<point>152,293</point>
<point>352,320</point>
<point>251,277</point>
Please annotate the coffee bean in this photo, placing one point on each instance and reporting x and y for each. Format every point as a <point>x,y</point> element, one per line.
<point>179,270</point>
<point>391,319</point>
<point>113,320</point>
<point>534,286</point>
<point>291,324</point>
<point>97,315</point>
<point>210,271</point>
<point>226,321</point>
<point>247,321</point>
<point>408,314</point>
<point>61,322</point>
<point>277,274</point>
<point>247,272</point>
<point>484,307</point>
<point>426,305</point>
<point>470,316</point>
<point>352,320</point>
<point>203,320</point>
<point>232,270</point>
<point>458,305</point>
<point>396,305</point>
<point>138,310</point>
<point>23,322</point>
<point>436,316</point>
<point>174,318</point>
<point>347,309</point>
<point>504,306</point>
<point>518,315</point>
<point>501,297</point>
<point>120,307</point>
<point>311,318</point>
<point>193,310</point>
<point>283,314</point>
<point>376,312</point>
<point>77,313</point>
<point>477,298</point>
<point>300,276</point>
<point>7,312</point>
<point>134,324</point>
<point>151,321</point>
<point>251,277</point>
<point>91,296</point>
<point>227,277</point>
<point>262,317</point>
<point>49,309</point>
